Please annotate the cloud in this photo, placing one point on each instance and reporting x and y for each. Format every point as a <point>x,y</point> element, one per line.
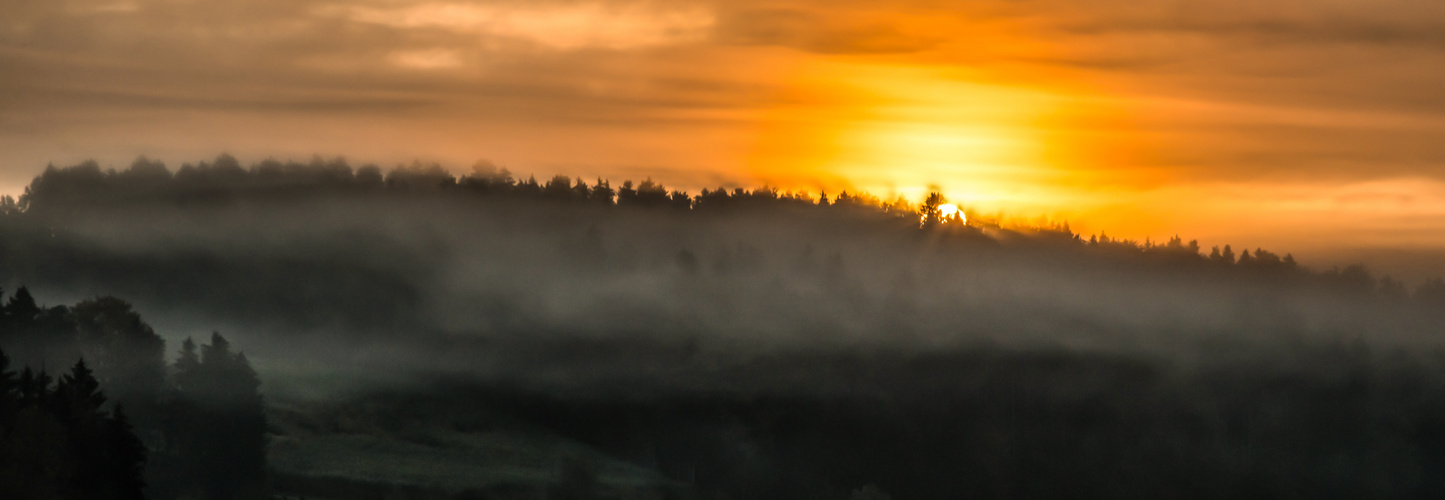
<point>561,26</point>
<point>426,59</point>
<point>815,32</point>
<point>1128,93</point>
<point>1386,22</point>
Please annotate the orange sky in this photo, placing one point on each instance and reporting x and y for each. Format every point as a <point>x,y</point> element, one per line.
<point>1306,125</point>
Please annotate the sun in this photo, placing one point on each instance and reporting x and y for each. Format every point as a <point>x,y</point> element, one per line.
<point>949,210</point>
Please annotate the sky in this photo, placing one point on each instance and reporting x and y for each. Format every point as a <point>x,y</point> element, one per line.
<point>1312,126</point>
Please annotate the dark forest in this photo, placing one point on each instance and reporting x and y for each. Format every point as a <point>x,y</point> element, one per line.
<point>414,334</point>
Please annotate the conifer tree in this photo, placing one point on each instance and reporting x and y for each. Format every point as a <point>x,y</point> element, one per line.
<point>9,393</point>
<point>58,444</point>
<point>78,398</point>
<point>22,308</point>
<point>220,435</point>
<point>125,458</point>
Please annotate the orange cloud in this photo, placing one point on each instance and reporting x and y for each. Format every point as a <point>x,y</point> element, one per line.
<point>568,26</point>
<point>1141,118</point>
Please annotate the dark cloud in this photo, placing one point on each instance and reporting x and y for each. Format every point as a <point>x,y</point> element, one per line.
<point>274,103</point>
<point>1399,23</point>
<point>818,33</point>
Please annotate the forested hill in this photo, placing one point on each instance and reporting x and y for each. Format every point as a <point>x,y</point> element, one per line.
<point>757,343</point>
<point>304,248</point>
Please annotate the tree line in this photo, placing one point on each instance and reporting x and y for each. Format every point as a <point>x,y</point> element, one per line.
<point>121,423</point>
<point>225,178</point>
<point>58,193</point>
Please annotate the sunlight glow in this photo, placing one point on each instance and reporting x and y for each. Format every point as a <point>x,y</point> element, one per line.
<point>904,131</point>
<point>426,59</point>
<point>949,210</point>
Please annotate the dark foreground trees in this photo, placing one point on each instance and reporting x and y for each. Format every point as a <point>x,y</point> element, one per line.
<point>58,442</point>
<point>216,429</point>
<point>198,429</point>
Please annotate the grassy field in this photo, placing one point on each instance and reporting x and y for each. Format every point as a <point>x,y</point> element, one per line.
<point>391,449</point>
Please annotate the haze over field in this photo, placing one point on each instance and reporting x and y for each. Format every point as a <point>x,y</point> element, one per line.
<point>301,257</point>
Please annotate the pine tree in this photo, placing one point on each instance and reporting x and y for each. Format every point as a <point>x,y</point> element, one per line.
<point>9,393</point>
<point>25,386</point>
<point>78,395</point>
<point>76,405</point>
<point>22,308</point>
<point>125,459</point>
<point>173,470</point>
<point>60,445</point>
<point>189,361</point>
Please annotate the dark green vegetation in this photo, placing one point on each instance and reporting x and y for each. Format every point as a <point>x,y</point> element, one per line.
<point>57,443</point>
<point>1313,422</point>
<point>426,336</point>
<point>199,425</point>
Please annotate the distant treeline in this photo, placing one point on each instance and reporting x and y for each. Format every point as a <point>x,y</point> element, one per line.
<point>61,192</point>
<point>225,179</point>
<point>193,429</point>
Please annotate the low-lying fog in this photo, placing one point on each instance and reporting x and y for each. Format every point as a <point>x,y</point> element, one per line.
<point>369,279</point>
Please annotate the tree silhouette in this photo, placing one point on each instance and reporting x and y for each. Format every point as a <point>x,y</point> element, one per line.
<point>580,191</point>
<point>650,193</point>
<point>59,444</point>
<point>929,211</point>
<point>129,355</point>
<point>9,392</point>
<point>220,435</point>
<point>602,193</point>
<point>125,457</point>
<point>626,195</point>
<point>22,309</point>
<point>8,206</point>
<point>528,187</point>
<point>559,188</point>
<point>369,176</point>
